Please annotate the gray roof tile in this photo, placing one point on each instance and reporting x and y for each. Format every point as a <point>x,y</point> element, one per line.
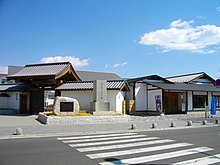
<point>12,87</point>
<point>90,76</point>
<point>42,69</point>
<point>189,77</point>
<point>88,85</point>
<point>186,87</point>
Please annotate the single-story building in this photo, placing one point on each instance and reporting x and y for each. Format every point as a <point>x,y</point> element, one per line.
<point>173,95</point>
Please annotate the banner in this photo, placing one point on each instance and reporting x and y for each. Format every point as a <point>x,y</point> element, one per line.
<point>158,103</point>
<point>213,106</point>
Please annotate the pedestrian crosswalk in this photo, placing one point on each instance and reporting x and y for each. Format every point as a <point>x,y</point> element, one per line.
<point>135,148</point>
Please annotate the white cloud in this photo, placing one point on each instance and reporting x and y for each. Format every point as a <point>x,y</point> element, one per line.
<point>75,61</point>
<point>117,65</point>
<point>3,70</point>
<point>218,8</point>
<point>179,23</point>
<point>182,36</point>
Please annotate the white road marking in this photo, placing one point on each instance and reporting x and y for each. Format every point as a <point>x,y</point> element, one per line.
<point>112,142</point>
<point>102,139</point>
<point>94,136</point>
<point>86,149</point>
<point>136,151</point>
<point>201,161</point>
<point>145,159</point>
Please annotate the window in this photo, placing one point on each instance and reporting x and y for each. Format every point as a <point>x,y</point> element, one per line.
<point>200,101</point>
<point>3,81</point>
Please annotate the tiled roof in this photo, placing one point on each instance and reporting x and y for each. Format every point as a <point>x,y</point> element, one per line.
<point>188,77</point>
<point>90,76</point>
<point>151,78</point>
<point>12,87</point>
<point>88,85</point>
<point>42,69</point>
<point>186,87</point>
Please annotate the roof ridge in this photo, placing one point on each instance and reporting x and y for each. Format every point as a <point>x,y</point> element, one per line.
<point>190,74</point>
<point>91,81</point>
<point>94,71</point>
<point>45,64</point>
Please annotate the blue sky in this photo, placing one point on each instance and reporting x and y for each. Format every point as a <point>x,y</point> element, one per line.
<point>129,37</point>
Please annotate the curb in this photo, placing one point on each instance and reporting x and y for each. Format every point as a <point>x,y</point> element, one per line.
<point>101,132</point>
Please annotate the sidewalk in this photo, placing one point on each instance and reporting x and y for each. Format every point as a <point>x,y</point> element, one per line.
<point>32,128</point>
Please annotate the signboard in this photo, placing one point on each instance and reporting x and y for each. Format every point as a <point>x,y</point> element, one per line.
<point>66,106</point>
<point>158,103</point>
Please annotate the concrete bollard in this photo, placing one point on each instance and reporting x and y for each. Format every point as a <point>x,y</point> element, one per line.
<point>216,121</point>
<point>204,122</point>
<point>154,125</point>
<point>18,131</point>
<point>133,126</point>
<point>173,124</point>
<point>189,123</point>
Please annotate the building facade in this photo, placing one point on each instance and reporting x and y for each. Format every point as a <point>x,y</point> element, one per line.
<point>148,94</point>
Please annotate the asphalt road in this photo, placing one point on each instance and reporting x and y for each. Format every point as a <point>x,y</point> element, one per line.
<point>150,147</point>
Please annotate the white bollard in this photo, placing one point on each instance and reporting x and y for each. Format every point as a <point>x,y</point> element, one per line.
<point>18,131</point>
<point>154,125</point>
<point>173,124</point>
<point>204,122</point>
<point>133,126</point>
<point>189,123</point>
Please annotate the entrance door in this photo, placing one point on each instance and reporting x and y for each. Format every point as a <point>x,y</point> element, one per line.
<point>171,103</point>
<point>23,103</point>
<point>37,101</point>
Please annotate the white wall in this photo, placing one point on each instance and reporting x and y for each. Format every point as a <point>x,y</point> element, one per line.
<point>86,97</point>
<point>4,102</point>
<point>151,99</point>
<point>115,98</point>
<point>83,97</point>
<point>11,102</point>
<point>14,100</point>
<point>141,97</point>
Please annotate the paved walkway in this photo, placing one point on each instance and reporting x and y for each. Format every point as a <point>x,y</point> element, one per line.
<point>32,128</point>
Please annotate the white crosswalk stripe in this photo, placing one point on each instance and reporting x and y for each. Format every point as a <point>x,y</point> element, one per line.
<point>103,139</point>
<point>201,161</point>
<point>112,142</point>
<point>136,151</point>
<point>95,136</point>
<point>146,159</point>
<point>123,148</point>
<point>123,145</point>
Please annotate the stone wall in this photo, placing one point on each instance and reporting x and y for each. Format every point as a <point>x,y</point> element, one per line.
<point>68,120</point>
